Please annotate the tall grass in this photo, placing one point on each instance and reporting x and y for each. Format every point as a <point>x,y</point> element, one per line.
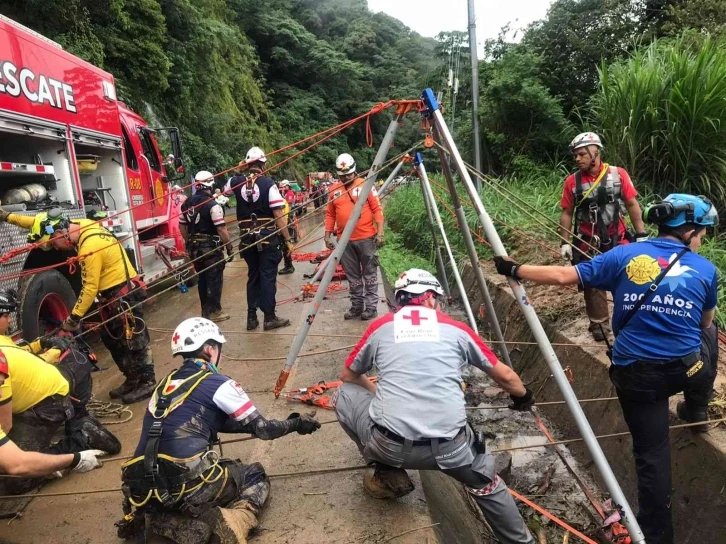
<point>663,115</point>
<point>410,243</point>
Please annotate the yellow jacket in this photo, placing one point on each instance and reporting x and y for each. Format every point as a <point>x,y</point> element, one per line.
<point>31,379</point>
<point>102,260</point>
<point>104,264</point>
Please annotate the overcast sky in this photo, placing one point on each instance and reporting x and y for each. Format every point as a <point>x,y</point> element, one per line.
<point>429,17</point>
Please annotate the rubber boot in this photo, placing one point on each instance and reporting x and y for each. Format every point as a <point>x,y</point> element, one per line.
<point>274,322</point>
<point>385,482</point>
<point>232,525</point>
<point>690,415</point>
<point>180,529</point>
<point>143,390</point>
<point>252,322</point>
<point>218,316</point>
<point>123,389</point>
<point>353,313</point>
<point>286,270</point>
<point>99,437</point>
<point>368,314</point>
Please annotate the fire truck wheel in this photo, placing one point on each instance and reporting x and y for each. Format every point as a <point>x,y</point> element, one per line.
<point>46,299</point>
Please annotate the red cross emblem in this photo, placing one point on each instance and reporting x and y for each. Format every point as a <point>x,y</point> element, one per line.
<point>175,338</point>
<point>415,318</point>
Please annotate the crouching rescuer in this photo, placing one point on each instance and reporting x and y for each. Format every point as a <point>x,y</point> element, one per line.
<point>175,476</point>
<point>414,417</point>
<point>106,273</point>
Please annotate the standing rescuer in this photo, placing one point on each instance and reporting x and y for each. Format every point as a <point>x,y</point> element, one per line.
<point>263,229</point>
<point>106,273</point>
<point>175,474</point>
<point>360,258</point>
<point>414,417</point>
<point>665,300</point>
<point>592,202</point>
<point>288,267</point>
<point>205,234</point>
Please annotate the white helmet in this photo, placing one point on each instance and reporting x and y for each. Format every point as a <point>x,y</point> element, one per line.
<point>284,183</point>
<point>345,164</point>
<point>585,139</point>
<point>417,281</point>
<point>191,334</point>
<point>205,179</point>
<point>255,154</point>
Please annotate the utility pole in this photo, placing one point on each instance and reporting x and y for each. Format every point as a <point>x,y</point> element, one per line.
<point>474,90</point>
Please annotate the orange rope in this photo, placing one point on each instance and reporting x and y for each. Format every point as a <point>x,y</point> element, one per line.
<point>552,517</point>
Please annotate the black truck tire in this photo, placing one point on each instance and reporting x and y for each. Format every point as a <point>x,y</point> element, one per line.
<point>46,295</point>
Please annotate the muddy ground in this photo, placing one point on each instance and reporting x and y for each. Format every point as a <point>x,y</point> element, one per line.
<point>302,509</point>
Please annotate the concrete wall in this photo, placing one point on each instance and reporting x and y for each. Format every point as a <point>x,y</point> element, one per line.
<point>699,461</point>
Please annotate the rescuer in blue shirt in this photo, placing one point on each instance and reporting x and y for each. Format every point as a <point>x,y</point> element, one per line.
<point>657,353</point>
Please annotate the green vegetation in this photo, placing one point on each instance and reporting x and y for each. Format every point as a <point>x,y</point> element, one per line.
<point>662,113</point>
<point>525,215</point>
<point>237,73</point>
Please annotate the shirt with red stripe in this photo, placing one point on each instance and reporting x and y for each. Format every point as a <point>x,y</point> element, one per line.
<point>191,427</point>
<point>420,355</point>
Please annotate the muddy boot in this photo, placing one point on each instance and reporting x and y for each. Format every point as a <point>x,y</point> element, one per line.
<point>123,389</point>
<point>143,390</point>
<point>274,322</point>
<point>353,313</point>
<point>99,437</point>
<point>180,529</point>
<point>232,525</point>
<point>599,331</point>
<point>384,482</point>
<point>286,270</point>
<point>252,322</point>
<point>368,314</point>
<point>218,316</point>
<point>691,415</point>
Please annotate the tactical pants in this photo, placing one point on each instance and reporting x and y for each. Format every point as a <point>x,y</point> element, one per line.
<point>132,356</point>
<point>33,430</point>
<point>211,280</point>
<point>457,458</point>
<point>243,486</point>
<point>262,261</point>
<point>360,262</point>
<point>643,390</point>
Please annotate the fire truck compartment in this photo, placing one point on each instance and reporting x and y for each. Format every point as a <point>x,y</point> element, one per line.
<point>104,189</point>
<point>28,159</point>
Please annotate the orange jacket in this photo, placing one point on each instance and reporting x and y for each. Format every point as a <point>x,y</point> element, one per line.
<point>340,206</point>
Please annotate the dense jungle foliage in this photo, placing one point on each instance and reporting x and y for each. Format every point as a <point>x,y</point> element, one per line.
<point>237,73</point>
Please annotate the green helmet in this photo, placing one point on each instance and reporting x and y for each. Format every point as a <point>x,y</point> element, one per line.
<point>46,224</point>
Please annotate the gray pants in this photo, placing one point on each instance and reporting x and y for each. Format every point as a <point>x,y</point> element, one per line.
<point>456,458</point>
<point>360,262</point>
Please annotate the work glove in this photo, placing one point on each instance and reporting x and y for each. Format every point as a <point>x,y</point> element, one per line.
<point>70,324</point>
<point>289,246</point>
<point>380,241</point>
<point>507,266</point>
<point>329,243</point>
<point>566,251</point>
<point>230,254</point>
<point>4,215</point>
<point>522,404</point>
<point>61,343</point>
<point>88,460</point>
<point>305,424</point>
<point>641,236</point>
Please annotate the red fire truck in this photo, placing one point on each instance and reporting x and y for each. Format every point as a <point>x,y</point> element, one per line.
<point>66,141</point>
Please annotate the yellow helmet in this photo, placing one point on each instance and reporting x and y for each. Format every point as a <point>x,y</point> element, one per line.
<point>45,225</point>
